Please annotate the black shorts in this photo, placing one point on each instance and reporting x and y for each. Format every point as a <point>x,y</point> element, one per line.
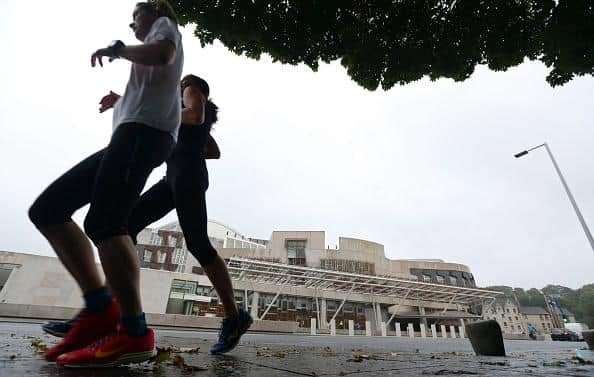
<point>111,180</point>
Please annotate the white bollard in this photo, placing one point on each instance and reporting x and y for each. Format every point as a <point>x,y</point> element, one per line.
<point>453,331</point>
<point>423,332</point>
<point>444,332</point>
<point>368,328</point>
<point>333,327</point>
<point>397,328</point>
<point>461,330</point>
<point>313,326</point>
<point>411,330</point>
<point>434,331</point>
<point>383,329</point>
<point>351,327</point>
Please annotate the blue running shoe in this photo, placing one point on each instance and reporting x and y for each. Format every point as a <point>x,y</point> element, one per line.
<point>57,328</point>
<point>231,331</point>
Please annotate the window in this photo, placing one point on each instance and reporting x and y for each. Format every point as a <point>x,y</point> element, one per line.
<point>517,318</point>
<point>504,323</point>
<point>296,252</point>
<point>156,239</point>
<point>453,280</point>
<point>541,317</point>
<point>346,265</point>
<point>147,256</point>
<point>179,256</point>
<point>507,310</point>
<point>184,286</point>
<point>172,241</point>
<point>426,278</point>
<point>161,256</point>
<point>440,279</point>
<point>514,310</point>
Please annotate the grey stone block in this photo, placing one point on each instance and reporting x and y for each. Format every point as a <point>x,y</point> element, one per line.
<point>486,338</point>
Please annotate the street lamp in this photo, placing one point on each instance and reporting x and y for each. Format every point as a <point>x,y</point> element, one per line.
<point>571,199</point>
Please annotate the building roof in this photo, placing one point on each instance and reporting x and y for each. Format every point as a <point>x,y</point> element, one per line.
<point>315,278</point>
<point>533,310</point>
<point>566,312</point>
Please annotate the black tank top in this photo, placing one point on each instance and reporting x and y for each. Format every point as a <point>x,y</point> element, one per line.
<point>187,160</point>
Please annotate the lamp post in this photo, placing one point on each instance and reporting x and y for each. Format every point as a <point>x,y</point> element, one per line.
<point>571,199</point>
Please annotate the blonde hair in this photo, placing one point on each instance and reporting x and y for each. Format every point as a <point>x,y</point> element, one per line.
<point>160,8</point>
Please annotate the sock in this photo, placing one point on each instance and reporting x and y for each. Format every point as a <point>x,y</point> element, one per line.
<point>97,300</point>
<point>135,326</point>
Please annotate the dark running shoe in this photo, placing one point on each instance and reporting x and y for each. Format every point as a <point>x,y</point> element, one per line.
<point>231,331</point>
<point>58,328</point>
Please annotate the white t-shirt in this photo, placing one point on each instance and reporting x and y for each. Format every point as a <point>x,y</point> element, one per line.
<point>152,96</point>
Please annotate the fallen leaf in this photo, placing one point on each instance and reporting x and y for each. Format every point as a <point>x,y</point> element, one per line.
<point>393,354</point>
<point>38,345</point>
<point>163,354</point>
<point>178,360</point>
<point>280,354</point>
<point>12,357</point>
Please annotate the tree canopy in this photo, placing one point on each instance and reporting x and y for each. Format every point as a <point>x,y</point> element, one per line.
<point>578,301</point>
<point>389,42</point>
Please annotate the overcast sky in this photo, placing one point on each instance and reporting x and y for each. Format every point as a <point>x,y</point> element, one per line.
<point>426,169</point>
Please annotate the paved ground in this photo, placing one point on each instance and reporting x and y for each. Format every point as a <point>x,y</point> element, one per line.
<point>278,355</point>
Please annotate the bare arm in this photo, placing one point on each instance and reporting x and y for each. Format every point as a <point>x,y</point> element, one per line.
<point>157,53</point>
<point>194,102</point>
<point>211,149</point>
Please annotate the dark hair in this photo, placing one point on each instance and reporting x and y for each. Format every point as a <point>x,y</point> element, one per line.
<point>210,109</point>
<point>159,8</point>
<point>198,82</point>
<point>211,113</point>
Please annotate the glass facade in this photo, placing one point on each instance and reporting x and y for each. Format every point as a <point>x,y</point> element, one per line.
<point>296,252</point>
<point>284,308</point>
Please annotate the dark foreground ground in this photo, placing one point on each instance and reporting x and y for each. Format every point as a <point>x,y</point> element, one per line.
<point>297,355</point>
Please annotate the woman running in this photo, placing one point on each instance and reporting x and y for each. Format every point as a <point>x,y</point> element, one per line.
<point>184,189</point>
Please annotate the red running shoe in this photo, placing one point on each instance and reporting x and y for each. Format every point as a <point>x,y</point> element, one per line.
<point>115,349</point>
<point>86,329</point>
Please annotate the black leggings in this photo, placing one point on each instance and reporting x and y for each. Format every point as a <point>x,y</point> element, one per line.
<point>183,188</point>
<point>111,180</point>
<point>190,203</point>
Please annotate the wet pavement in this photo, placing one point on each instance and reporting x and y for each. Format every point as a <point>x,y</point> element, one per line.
<point>301,355</point>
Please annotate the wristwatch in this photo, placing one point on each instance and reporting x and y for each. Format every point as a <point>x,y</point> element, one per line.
<point>115,47</point>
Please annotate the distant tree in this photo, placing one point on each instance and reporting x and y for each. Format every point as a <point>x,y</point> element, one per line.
<point>581,303</point>
<point>384,42</point>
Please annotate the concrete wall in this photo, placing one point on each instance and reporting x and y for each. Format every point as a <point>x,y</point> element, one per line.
<point>42,280</point>
<point>315,241</point>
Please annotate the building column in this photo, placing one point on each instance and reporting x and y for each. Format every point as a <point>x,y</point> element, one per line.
<point>323,314</point>
<point>255,303</point>
<point>378,316</point>
<point>423,319</point>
